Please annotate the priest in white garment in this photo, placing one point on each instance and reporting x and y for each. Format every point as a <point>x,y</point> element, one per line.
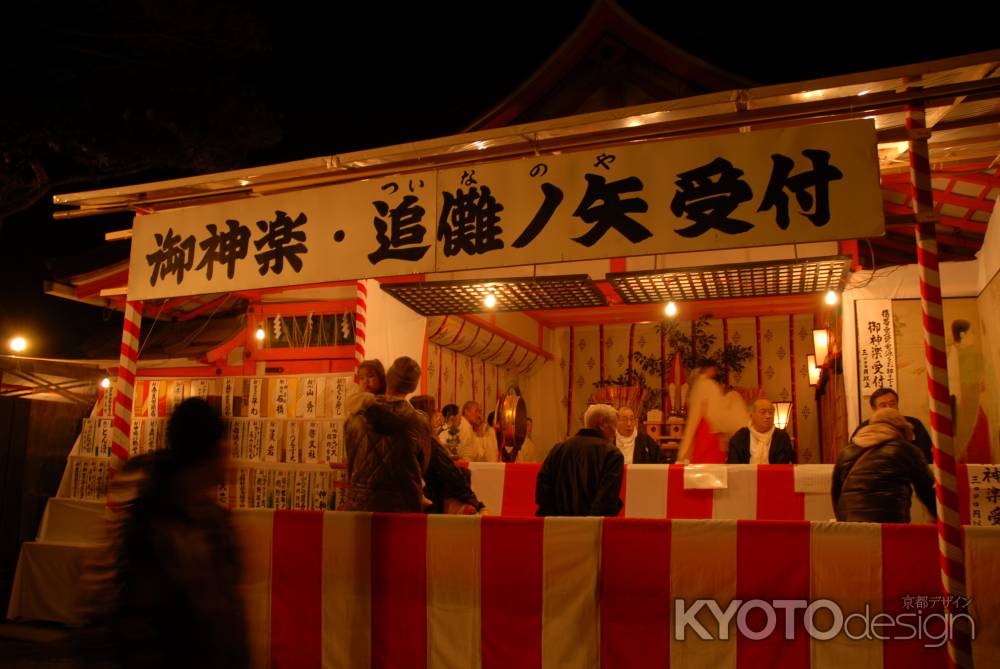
<point>636,446</point>
<point>760,442</point>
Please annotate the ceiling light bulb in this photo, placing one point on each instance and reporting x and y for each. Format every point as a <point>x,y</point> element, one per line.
<point>832,297</point>
<point>670,309</point>
<point>18,344</point>
<point>490,300</point>
<point>260,334</point>
<point>105,383</point>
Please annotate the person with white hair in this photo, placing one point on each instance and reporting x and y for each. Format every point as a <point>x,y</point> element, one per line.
<point>582,476</point>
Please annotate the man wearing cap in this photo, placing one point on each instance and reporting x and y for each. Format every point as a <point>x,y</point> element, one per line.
<point>760,442</point>
<point>388,447</point>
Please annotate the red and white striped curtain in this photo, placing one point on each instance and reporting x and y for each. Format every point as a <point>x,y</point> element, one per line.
<point>362,590</point>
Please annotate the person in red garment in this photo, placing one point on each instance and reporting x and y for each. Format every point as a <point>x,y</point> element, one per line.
<point>713,416</point>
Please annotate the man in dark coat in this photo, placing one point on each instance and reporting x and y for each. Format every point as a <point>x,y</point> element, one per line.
<point>388,447</point>
<point>761,443</point>
<point>886,398</point>
<point>877,473</point>
<point>638,447</point>
<point>582,476</point>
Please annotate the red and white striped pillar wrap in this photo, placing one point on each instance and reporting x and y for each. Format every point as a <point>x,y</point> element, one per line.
<point>948,520</point>
<point>360,321</point>
<point>125,389</point>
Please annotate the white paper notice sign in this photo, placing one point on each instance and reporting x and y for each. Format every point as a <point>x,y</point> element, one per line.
<point>813,478</point>
<point>227,397</point>
<point>876,346</point>
<point>706,477</point>
<point>984,495</point>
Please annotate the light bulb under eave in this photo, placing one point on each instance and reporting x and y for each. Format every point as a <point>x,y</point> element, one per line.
<point>490,300</point>
<point>671,309</point>
<point>832,297</point>
<point>18,344</point>
<point>105,383</point>
<point>260,334</point>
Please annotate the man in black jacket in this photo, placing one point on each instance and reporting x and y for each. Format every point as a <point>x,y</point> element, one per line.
<point>582,476</point>
<point>878,472</point>
<point>637,446</point>
<point>886,398</point>
<point>761,442</point>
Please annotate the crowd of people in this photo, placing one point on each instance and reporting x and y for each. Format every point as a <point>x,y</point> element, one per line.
<point>401,453</point>
<point>168,586</point>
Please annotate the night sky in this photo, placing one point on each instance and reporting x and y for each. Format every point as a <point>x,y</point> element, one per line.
<point>97,94</point>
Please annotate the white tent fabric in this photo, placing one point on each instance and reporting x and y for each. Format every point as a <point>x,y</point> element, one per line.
<point>393,329</point>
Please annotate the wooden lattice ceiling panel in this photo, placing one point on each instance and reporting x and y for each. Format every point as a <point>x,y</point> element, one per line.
<point>769,279</point>
<point>438,298</point>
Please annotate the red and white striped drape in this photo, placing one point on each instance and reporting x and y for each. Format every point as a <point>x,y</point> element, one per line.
<point>359,590</point>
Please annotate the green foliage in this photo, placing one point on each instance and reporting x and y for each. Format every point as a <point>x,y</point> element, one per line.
<point>693,343</point>
<point>696,345</point>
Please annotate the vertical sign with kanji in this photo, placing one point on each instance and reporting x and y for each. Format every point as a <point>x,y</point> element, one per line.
<point>242,500</point>
<point>333,450</point>
<point>108,401</point>
<point>310,442</point>
<point>135,437</point>
<point>153,399</point>
<point>984,495</point>
<point>876,346</point>
<point>260,488</point>
<point>237,438</point>
<point>280,399</point>
<point>300,494</point>
<point>309,392</point>
<point>281,488</point>
<point>151,435</point>
<point>271,440</point>
<point>201,388</point>
<point>340,397</point>
<point>227,397</point>
<point>253,438</point>
<point>103,441</point>
<point>254,397</point>
<point>86,443</point>
<point>175,395</point>
<point>292,453</point>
